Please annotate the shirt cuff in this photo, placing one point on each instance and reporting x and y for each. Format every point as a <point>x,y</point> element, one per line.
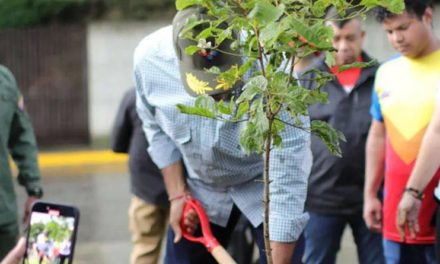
<point>287,230</point>
<point>164,157</point>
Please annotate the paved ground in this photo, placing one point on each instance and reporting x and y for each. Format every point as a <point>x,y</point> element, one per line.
<point>100,190</point>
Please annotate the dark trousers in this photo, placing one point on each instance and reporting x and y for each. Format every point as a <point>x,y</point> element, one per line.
<point>437,235</point>
<point>187,252</point>
<point>401,253</point>
<point>323,235</point>
<point>8,237</point>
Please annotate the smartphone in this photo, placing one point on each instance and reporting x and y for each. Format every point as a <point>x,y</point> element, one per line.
<point>51,233</point>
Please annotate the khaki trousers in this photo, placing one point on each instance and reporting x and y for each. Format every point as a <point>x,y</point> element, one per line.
<point>147,224</point>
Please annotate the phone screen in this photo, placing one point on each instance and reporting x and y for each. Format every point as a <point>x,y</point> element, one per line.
<point>51,234</point>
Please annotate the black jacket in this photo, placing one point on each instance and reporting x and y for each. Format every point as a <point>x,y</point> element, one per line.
<point>336,184</point>
<point>128,137</point>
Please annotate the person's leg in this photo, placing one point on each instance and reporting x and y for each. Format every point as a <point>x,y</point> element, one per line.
<point>241,247</point>
<point>429,253</point>
<point>147,224</point>
<point>299,250</point>
<point>368,243</point>
<point>322,238</point>
<point>187,252</point>
<point>62,258</point>
<point>401,253</point>
<point>420,254</point>
<point>437,235</point>
<point>8,237</point>
<point>259,241</point>
<point>392,251</point>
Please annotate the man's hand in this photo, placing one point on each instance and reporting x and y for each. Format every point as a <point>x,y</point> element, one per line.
<point>27,208</point>
<point>191,220</point>
<point>373,214</point>
<point>407,215</point>
<point>16,254</point>
<point>282,252</point>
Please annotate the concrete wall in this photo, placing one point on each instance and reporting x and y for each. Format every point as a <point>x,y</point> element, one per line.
<point>110,52</point>
<point>110,70</point>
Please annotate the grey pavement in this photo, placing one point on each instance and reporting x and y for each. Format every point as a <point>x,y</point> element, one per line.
<point>102,196</point>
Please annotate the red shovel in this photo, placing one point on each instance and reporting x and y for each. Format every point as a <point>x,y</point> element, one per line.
<point>207,239</point>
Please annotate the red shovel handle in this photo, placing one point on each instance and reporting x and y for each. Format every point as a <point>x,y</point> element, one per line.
<point>207,238</point>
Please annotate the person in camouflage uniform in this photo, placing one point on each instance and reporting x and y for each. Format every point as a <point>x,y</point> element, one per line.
<point>17,140</point>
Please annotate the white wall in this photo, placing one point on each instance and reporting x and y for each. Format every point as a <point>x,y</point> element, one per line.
<point>110,67</point>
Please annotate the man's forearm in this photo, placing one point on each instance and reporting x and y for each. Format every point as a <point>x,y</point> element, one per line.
<point>375,158</point>
<point>282,252</point>
<point>174,179</point>
<point>427,161</point>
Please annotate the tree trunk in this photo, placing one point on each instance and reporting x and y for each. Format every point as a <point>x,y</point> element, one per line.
<point>266,198</point>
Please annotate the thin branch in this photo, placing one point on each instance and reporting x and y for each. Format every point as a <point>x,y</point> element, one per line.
<point>293,125</point>
<point>292,66</point>
<point>260,51</point>
<point>313,79</point>
<point>356,14</point>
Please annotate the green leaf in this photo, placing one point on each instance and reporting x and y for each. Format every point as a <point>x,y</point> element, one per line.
<point>341,6</point>
<point>190,50</point>
<point>395,6</point>
<point>250,140</point>
<point>277,141</point>
<point>227,79</point>
<point>205,33</point>
<point>328,135</point>
<point>317,96</point>
<point>319,7</point>
<point>255,86</point>
<point>367,64</point>
<point>223,34</point>
<point>235,45</point>
<point>369,3</point>
<point>259,117</point>
<point>246,66</point>
<point>191,110</point>
<point>225,108</point>
<point>277,127</point>
<point>264,12</point>
<point>206,102</point>
<point>242,109</point>
<point>192,22</point>
<point>182,4</point>
<point>270,33</point>
<point>214,70</point>
<point>279,82</point>
<point>330,59</point>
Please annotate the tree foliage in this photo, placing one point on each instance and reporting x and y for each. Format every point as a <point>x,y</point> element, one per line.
<point>19,13</point>
<point>25,13</point>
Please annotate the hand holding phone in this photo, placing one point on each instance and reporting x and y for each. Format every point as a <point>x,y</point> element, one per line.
<point>51,233</point>
<point>16,254</point>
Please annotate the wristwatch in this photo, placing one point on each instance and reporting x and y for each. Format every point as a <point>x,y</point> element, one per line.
<point>35,191</point>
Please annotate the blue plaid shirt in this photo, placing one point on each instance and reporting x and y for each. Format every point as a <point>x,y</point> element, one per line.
<point>220,174</point>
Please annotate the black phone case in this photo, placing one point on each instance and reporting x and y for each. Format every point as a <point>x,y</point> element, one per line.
<point>50,249</point>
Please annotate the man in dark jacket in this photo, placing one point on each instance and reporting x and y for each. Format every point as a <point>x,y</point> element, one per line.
<point>335,185</point>
<point>148,210</point>
<point>16,139</point>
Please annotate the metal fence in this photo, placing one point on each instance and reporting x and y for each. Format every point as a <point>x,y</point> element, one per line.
<point>50,65</point>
